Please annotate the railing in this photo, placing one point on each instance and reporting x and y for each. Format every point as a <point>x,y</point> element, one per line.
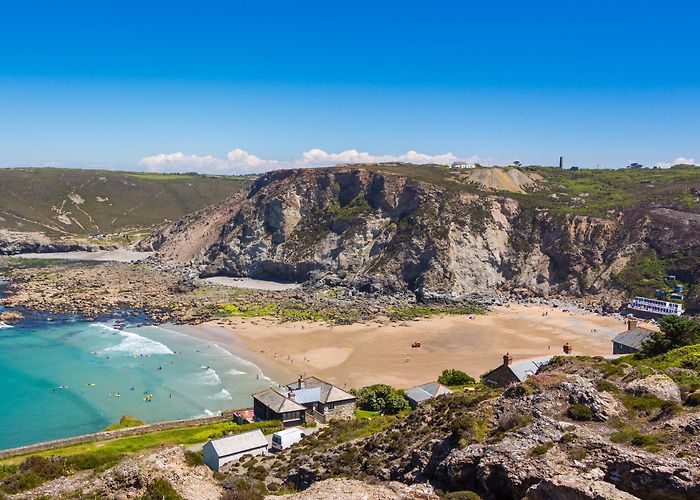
<point>318,417</point>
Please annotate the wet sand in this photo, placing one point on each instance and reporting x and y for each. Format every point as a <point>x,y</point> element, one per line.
<point>251,283</point>
<point>381,352</point>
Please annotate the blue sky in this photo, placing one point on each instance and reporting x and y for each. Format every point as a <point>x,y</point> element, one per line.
<point>234,87</point>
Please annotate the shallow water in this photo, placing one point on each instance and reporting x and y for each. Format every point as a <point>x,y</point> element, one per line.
<point>95,361</point>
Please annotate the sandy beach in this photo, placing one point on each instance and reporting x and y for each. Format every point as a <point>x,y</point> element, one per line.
<point>381,352</point>
<point>118,255</point>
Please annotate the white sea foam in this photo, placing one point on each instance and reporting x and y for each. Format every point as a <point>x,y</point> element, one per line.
<point>235,372</point>
<point>223,394</point>
<point>105,327</point>
<point>208,377</point>
<point>133,343</point>
<point>4,325</point>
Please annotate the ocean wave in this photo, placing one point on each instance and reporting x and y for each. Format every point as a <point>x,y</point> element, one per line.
<point>4,325</point>
<point>208,377</point>
<point>105,326</point>
<point>223,394</point>
<point>133,343</point>
<point>235,372</point>
<point>208,413</point>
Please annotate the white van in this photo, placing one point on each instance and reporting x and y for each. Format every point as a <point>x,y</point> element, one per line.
<point>286,438</point>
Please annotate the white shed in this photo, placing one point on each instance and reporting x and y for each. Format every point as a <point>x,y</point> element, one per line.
<point>218,452</point>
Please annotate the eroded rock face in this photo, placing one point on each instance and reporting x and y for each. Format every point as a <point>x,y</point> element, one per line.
<point>575,488</point>
<point>387,233</point>
<point>658,385</point>
<point>350,489</point>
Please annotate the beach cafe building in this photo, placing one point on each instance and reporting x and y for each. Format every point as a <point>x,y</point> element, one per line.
<point>271,405</point>
<point>311,396</point>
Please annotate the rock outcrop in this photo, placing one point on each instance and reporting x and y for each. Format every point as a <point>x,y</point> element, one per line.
<point>385,233</point>
<point>14,242</point>
<point>523,444</point>
<point>657,385</point>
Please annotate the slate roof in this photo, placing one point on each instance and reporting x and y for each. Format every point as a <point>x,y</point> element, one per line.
<point>528,367</point>
<point>329,393</point>
<point>239,443</point>
<point>277,402</point>
<point>306,395</point>
<point>426,391</point>
<point>633,338</point>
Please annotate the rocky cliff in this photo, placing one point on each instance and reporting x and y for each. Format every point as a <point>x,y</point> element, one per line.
<point>388,233</point>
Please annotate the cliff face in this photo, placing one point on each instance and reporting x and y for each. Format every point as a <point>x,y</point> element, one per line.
<point>390,233</point>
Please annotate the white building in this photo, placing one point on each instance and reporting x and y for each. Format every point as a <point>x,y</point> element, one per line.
<point>218,452</point>
<point>463,164</point>
<point>653,306</point>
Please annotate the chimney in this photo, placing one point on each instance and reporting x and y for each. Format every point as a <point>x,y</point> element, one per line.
<point>507,359</point>
<point>631,324</point>
<point>568,349</point>
<point>561,162</point>
<point>291,395</point>
<point>300,381</point>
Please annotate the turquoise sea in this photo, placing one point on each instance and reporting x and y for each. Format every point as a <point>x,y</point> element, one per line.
<point>67,377</point>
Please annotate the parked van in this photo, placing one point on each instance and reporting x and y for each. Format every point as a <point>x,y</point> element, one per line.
<point>286,438</point>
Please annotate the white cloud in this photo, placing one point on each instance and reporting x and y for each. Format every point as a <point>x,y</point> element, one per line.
<point>238,161</point>
<point>678,161</point>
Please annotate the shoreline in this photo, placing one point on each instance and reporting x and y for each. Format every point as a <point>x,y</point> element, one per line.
<point>221,337</point>
<point>380,351</point>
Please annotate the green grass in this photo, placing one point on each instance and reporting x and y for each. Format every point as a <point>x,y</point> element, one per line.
<point>124,422</point>
<point>133,444</point>
<point>129,200</point>
<point>603,189</point>
<point>687,358</point>
<point>248,310</point>
<point>286,313</point>
<point>540,450</point>
<point>629,435</point>
<point>365,414</point>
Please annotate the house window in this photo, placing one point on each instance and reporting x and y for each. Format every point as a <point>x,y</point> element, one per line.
<point>330,406</point>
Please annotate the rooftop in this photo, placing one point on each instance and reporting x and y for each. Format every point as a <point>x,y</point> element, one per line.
<point>426,391</point>
<point>528,367</point>
<point>239,442</point>
<point>277,402</point>
<point>328,393</point>
<point>634,338</point>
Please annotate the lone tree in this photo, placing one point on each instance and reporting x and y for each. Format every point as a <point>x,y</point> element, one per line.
<point>676,331</point>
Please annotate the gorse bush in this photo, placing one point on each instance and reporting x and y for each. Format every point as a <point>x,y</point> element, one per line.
<point>455,377</point>
<point>579,412</point>
<point>194,458</point>
<point>676,331</point>
<point>381,398</point>
<point>160,489</point>
<point>513,420</point>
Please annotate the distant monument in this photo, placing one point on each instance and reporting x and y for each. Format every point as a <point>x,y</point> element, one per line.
<point>561,162</point>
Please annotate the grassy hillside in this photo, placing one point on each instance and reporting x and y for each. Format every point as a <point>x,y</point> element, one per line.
<point>79,202</point>
<point>582,192</point>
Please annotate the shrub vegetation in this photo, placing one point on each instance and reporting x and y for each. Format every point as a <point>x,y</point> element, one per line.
<point>455,378</point>
<point>579,412</point>
<point>381,398</point>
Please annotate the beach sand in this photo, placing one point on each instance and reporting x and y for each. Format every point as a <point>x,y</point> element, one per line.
<point>117,255</point>
<point>380,352</point>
